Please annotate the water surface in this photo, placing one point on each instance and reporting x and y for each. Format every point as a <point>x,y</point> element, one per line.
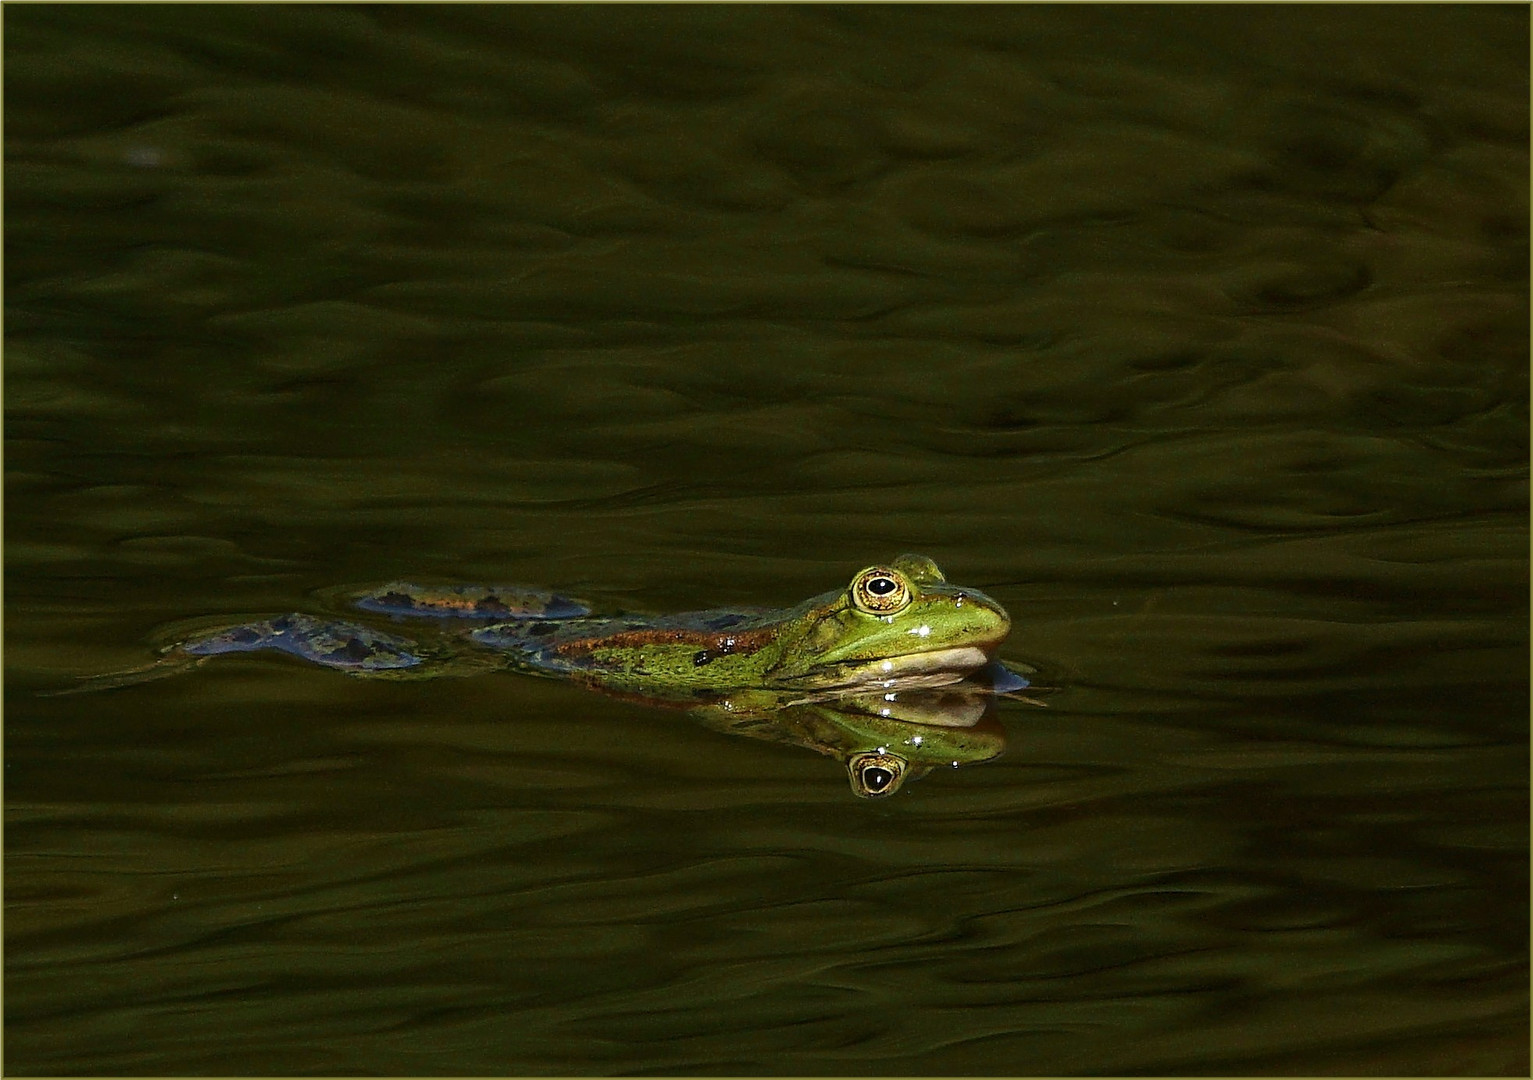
<point>1198,337</point>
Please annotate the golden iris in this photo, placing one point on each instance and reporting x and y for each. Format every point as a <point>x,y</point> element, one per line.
<point>879,590</point>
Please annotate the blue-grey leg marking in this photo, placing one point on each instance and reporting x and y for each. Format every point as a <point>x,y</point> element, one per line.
<point>334,644</point>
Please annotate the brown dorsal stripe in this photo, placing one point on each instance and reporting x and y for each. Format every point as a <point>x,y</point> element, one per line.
<point>714,642</point>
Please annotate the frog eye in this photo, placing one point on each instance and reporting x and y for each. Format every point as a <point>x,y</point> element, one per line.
<point>874,775</point>
<point>880,591</point>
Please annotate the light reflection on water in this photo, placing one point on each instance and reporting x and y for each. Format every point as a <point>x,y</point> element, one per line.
<point>1199,343</point>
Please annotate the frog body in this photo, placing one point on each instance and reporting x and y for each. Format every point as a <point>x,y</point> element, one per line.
<point>898,624</point>
<point>921,632</point>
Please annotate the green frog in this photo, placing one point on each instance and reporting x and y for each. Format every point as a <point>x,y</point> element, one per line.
<point>872,652</point>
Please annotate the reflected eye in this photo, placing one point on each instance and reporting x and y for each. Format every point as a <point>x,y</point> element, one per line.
<point>875,778</point>
<point>873,775</point>
<point>880,591</point>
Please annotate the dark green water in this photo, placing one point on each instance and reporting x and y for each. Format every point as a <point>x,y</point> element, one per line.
<point>1196,336</point>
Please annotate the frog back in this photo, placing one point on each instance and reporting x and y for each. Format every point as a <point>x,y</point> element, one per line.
<point>699,648</point>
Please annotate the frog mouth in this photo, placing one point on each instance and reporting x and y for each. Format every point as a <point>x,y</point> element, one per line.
<point>962,658</point>
<point>931,668</point>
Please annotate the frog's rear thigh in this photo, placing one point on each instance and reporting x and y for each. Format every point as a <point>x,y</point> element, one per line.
<point>497,602</point>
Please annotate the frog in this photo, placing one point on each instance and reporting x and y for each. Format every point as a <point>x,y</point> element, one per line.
<point>895,625</point>
<point>818,673</point>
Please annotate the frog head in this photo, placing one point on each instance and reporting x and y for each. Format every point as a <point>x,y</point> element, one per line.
<point>895,625</point>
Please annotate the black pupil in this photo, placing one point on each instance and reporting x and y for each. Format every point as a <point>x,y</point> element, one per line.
<point>877,778</point>
<point>881,586</point>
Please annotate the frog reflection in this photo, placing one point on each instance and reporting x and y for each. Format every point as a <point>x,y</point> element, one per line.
<point>883,740</point>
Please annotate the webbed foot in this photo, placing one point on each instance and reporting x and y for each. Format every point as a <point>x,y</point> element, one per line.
<point>349,647</point>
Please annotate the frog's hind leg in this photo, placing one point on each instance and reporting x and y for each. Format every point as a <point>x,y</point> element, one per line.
<point>332,643</point>
<point>490,602</point>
